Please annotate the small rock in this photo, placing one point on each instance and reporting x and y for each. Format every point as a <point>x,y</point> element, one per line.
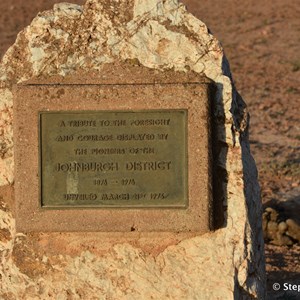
<point>272,230</point>
<point>282,240</point>
<point>273,213</point>
<point>293,229</point>
<point>282,227</point>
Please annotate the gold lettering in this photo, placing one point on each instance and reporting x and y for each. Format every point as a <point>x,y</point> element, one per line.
<point>108,151</point>
<point>74,197</point>
<point>87,167</point>
<point>148,166</point>
<point>82,123</point>
<point>95,138</point>
<point>64,138</point>
<point>136,137</point>
<point>106,123</point>
<point>151,122</point>
<point>107,197</point>
<point>80,151</point>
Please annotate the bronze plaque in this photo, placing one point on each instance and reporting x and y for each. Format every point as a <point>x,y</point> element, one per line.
<point>113,159</point>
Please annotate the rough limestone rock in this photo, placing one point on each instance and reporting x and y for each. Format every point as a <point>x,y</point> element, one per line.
<point>225,264</point>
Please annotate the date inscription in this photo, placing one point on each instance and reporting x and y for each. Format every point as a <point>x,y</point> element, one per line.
<point>129,159</point>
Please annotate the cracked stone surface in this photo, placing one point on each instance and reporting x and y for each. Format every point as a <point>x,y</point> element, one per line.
<point>162,35</point>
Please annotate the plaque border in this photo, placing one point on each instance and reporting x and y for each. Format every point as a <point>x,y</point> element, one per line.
<point>31,98</point>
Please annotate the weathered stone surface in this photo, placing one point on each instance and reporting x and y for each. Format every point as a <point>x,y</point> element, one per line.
<point>159,35</point>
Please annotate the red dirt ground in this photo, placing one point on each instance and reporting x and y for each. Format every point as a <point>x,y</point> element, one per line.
<point>261,41</point>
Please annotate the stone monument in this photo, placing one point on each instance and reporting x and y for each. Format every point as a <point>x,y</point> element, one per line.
<point>125,167</point>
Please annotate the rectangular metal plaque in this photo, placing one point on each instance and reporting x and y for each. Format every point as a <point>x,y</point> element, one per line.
<point>113,158</point>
